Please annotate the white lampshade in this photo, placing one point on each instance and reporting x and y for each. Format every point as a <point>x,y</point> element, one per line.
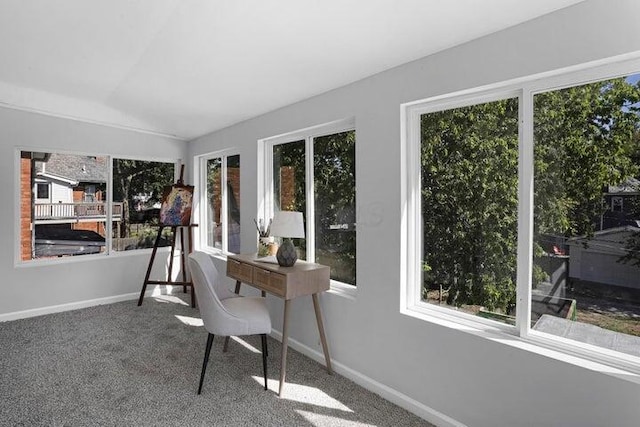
<point>288,224</point>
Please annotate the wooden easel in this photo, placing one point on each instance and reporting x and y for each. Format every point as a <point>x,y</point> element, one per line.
<point>174,230</point>
<point>184,282</point>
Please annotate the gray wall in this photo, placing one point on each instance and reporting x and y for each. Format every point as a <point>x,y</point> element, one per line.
<point>472,379</point>
<point>32,286</point>
<point>433,369</point>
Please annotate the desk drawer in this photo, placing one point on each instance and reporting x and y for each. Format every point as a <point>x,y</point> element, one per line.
<point>239,271</point>
<point>270,281</point>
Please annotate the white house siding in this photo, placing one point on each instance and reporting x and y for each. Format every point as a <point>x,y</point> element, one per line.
<point>605,268</point>
<point>599,260</point>
<point>61,193</point>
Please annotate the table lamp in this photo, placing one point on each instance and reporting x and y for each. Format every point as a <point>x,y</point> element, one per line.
<point>288,225</point>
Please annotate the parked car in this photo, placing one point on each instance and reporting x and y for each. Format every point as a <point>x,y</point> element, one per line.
<point>52,241</point>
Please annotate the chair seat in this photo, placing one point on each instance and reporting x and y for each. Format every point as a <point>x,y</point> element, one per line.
<point>252,313</point>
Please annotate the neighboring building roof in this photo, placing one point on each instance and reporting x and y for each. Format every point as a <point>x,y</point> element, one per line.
<point>75,167</point>
<point>45,177</point>
<point>629,187</point>
<point>624,231</point>
<point>611,241</point>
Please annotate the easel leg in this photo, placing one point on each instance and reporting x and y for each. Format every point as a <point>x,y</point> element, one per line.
<point>173,250</point>
<point>153,256</point>
<point>184,270</point>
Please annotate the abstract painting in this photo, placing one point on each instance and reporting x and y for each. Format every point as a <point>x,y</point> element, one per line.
<point>177,201</point>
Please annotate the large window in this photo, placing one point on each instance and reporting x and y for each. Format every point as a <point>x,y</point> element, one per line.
<point>221,198</point>
<point>66,209</point>
<point>313,172</point>
<point>469,188</point>
<point>524,211</point>
<point>586,274</point>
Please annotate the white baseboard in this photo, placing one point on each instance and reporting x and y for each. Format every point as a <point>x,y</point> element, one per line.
<point>392,395</point>
<point>67,307</point>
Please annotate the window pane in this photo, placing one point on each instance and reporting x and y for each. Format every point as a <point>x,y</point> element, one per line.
<point>233,204</point>
<point>586,277</point>
<point>469,188</point>
<point>335,204</point>
<point>60,222</point>
<point>42,191</point>
<point>289,183</point>
<point>137,194</point>
<point>214,206</point>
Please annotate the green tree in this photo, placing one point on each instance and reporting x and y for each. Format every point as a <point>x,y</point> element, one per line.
<point>334,178</point>
<point>584,141</point>
<point>131,177</point>
<point>469,202</point>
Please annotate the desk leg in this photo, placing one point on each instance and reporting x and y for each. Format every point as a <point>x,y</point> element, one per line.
<point>323,339</point>
<point>226,339</point>
<point>285,344</point>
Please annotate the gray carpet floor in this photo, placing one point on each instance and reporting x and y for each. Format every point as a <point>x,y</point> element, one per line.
<point>123,365</point>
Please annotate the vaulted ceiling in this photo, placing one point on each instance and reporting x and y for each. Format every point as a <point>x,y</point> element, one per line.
<point>188,67</point>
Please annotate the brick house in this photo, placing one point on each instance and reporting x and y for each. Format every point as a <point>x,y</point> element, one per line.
<point>63,199</point>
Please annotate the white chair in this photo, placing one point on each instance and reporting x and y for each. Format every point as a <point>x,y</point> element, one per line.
<point>225,313</point>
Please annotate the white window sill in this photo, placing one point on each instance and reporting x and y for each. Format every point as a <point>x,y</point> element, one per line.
<point>576,354</point>
<point>343,290</point>
<point>41,262</point>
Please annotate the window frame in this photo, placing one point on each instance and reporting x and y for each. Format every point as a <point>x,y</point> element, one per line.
<point>617,204</point>
<point>266,193</point>
<point>108,252</point>
<point>412,158</point>
<point>200,172</point>
<point>525,89</point>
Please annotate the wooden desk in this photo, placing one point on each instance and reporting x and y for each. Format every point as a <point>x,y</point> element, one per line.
<point>304,278</point>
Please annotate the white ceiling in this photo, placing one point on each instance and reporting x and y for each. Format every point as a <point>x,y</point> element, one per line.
<point>189,67</point>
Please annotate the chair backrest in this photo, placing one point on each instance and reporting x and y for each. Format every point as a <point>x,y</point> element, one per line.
<point>217,320</point>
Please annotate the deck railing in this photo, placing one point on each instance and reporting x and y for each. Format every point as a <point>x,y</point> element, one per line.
<point>76,211</point>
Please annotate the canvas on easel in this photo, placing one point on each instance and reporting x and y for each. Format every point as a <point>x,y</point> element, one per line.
<point>177,201</point>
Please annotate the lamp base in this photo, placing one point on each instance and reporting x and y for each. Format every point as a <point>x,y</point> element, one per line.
<point>287,255</point>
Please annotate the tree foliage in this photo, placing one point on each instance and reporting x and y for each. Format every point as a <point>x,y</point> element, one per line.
<point>586,138</point>
<point>583,143</point>
<point>133,177</point>
<point>334,179</point>
<point>469,201</point>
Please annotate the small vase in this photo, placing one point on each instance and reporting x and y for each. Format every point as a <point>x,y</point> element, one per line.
<point>265,246</point>
<point>287,254</point>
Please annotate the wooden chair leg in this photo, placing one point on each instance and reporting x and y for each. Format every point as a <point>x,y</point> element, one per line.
<point>264,358</point>
<point>206,360</point>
